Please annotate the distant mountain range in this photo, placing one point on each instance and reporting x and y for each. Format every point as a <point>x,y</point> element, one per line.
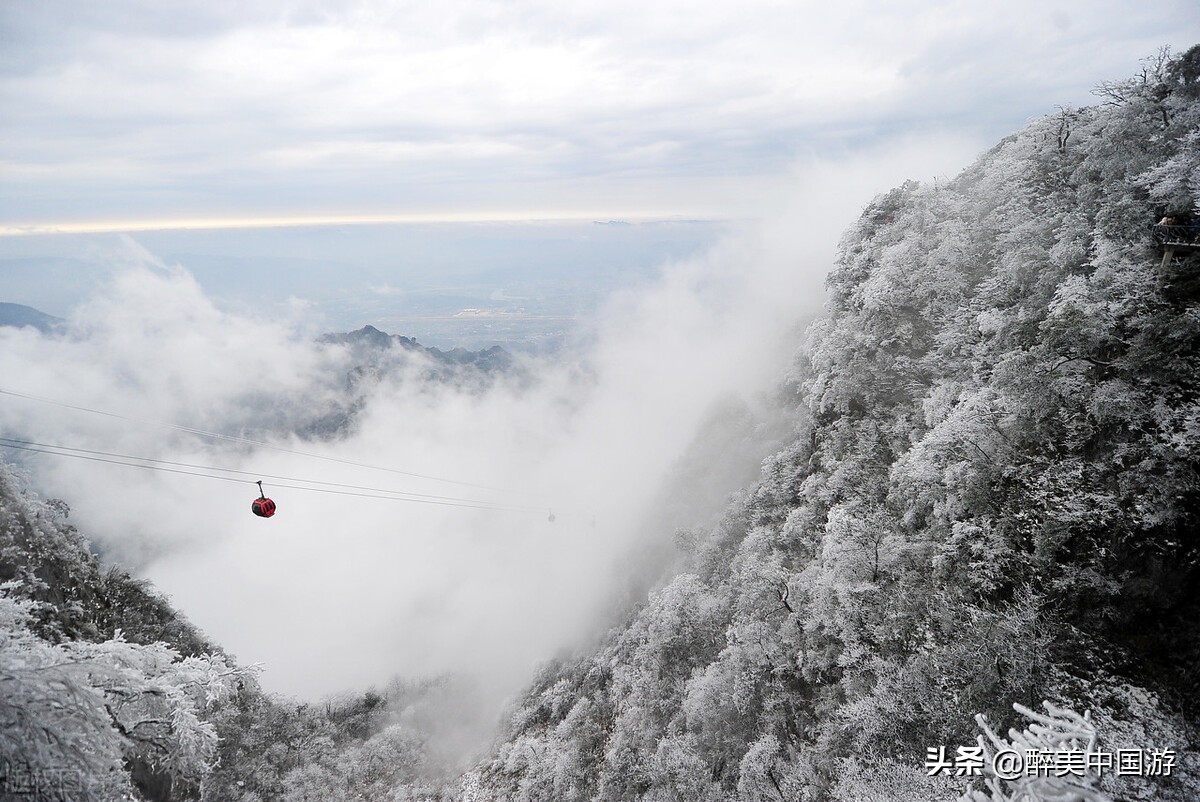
<point>19,315</point>
<point>369,338</point>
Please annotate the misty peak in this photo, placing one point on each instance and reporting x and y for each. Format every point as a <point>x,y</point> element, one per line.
<point>371,338</point>
<point>19,316</point>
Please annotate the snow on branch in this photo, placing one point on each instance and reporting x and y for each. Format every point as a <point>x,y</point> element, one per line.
<point>1057,732</point>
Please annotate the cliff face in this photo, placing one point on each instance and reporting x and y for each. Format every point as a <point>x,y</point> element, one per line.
<point>993,500</point>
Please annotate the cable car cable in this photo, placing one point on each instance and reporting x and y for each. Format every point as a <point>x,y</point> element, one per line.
<point>447,503</point>
<point>443,502</point>
<point>249,441</point>
<point>401,493</point>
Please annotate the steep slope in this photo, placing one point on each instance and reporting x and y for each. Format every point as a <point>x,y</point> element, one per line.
<point>993,501</point>
<point>104,689</point>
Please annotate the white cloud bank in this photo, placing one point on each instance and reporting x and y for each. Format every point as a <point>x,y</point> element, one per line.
<point>139,111</point>
<point>338,592</point>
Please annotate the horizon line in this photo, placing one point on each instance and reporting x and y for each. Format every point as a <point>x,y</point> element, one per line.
<point>301,221</point>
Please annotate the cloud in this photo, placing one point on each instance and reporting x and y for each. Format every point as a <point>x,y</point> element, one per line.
<point>383,107</point>
<point>340,591</point>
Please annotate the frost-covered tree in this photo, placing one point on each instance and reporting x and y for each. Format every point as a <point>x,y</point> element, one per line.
<point>78,717</point>
<point>991,498</point>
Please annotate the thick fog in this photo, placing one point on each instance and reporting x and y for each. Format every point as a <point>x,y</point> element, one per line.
<point>339,591</point>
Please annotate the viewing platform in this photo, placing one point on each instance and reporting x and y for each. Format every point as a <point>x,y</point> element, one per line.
<point>1179,238</point>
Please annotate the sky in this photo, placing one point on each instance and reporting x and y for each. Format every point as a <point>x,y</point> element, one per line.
<point>134,113</point>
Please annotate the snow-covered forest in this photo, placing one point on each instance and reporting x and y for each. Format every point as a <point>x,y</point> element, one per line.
<point>991,497</point>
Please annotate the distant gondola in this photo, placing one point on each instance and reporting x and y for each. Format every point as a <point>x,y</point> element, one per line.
<point>262,506</point>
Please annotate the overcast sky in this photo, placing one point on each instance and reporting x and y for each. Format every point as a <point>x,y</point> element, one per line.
<point>141,110</point>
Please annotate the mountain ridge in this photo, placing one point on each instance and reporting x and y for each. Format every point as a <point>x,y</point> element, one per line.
<point>368,337</point>
<point>19,315</point>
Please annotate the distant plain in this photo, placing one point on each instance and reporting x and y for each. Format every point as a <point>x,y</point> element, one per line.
<point>526,286</point>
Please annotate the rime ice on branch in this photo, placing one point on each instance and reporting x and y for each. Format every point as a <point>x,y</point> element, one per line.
<point>1058,731</point>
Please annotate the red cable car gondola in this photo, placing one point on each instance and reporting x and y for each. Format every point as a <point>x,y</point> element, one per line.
<point>262,506</point>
